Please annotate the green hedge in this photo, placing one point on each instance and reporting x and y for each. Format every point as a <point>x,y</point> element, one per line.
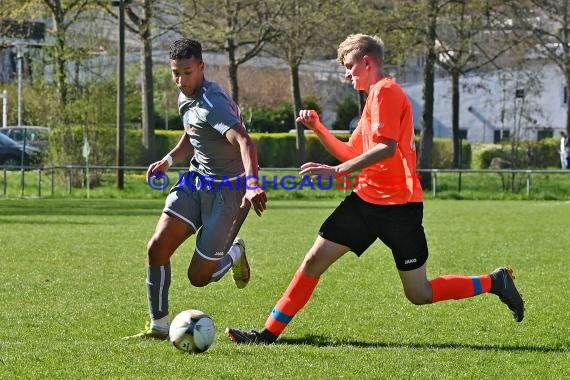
<point>66,146</point>
<point>545,153</point>
<point>442,154</point>
<point>274,149</point>
<point>277,150</point>
<point>536,154</point>
<point>275,119</point>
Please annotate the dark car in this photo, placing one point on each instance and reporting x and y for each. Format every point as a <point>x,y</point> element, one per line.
<point>37,137</point>
<point>11,153</point>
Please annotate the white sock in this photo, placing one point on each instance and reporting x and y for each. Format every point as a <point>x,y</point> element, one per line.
<point>160,324</point>
<point>235,253</point>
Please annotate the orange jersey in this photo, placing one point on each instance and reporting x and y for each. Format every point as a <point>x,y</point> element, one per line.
<point>387,114</point>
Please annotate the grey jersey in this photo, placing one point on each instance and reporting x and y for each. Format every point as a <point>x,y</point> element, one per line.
<point>206,118</point>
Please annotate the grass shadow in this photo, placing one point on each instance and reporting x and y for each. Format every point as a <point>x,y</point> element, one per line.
<point>80,207</point>
<point>123,207</point>
<point>28,221</point>
<point>322,341</point>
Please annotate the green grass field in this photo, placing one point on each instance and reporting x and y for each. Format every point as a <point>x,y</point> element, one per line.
<point>73,276</point>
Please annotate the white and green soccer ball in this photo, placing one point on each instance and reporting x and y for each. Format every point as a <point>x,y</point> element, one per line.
<point>192,331</point>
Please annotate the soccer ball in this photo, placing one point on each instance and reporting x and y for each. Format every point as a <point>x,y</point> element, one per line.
<point>192,331</point>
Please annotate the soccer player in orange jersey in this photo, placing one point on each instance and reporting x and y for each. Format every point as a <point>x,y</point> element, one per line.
<point>386,203</point>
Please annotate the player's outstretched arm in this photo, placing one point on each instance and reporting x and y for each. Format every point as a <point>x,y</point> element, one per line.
<point>180,152</point>
<point>384,149</point>
<point>237,136</point>
<point>339,149</point>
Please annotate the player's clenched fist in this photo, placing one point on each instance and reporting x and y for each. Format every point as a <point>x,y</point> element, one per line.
<point>309,118</point>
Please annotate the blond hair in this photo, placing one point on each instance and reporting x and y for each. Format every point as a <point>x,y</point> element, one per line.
<point>360,45</point>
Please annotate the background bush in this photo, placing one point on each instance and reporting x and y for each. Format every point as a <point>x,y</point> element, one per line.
<point>275,150</point>
<point>442,154</point>
<point>537,154</point>
<point>277,119</point>
<point>346,110</point>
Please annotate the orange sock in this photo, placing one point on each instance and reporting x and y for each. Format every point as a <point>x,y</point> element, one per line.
<point>459,287</point>
<point>295,297</point>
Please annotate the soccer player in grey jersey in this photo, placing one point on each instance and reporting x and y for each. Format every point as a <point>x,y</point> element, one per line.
<point>213,198</point>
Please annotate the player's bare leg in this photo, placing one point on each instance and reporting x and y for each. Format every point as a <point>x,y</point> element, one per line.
<point>319,258</point>
<point>416,285</point>
<point>170,233</point>
<point>204,268</point>
<point>420,291</point>
<point>200,270</point>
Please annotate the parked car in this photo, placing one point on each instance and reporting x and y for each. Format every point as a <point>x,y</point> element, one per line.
<point>11,153</point>
<point>35,136</point>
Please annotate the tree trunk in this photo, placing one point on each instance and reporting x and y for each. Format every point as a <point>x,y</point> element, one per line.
<point>60,63</point>
<point>147,87</point>
<point>233,73</point>
<point>233,70</point>
<point>455,118</point>
<point>426,141</point>
<point>297,104</point>
<point>567,101</point>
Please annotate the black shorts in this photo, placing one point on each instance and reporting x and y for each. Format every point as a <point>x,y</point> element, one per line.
<point>356,224</point>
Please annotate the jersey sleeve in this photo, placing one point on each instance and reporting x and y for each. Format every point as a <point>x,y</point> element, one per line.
<point>224,114</point>
<point>385,113</point>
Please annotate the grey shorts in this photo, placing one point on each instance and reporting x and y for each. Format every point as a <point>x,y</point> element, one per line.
<point>213,211</point>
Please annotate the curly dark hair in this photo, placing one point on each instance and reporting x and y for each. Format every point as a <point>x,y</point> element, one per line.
<point>185,48</point>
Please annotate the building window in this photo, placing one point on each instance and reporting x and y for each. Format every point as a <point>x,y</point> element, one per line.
<point>544,134</point>
<point>565,96</point>
<point>497,136</point>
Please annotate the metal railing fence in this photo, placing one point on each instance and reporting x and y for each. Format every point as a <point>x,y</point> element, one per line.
<point>62,180</point>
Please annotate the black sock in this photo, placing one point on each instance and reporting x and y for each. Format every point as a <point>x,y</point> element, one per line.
<point>157,285</point>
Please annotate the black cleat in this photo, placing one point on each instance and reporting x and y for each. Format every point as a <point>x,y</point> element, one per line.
<point>250,337</point>
<point>502,284</point>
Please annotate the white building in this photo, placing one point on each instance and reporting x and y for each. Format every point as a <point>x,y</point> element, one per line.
<point>528,104</point>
